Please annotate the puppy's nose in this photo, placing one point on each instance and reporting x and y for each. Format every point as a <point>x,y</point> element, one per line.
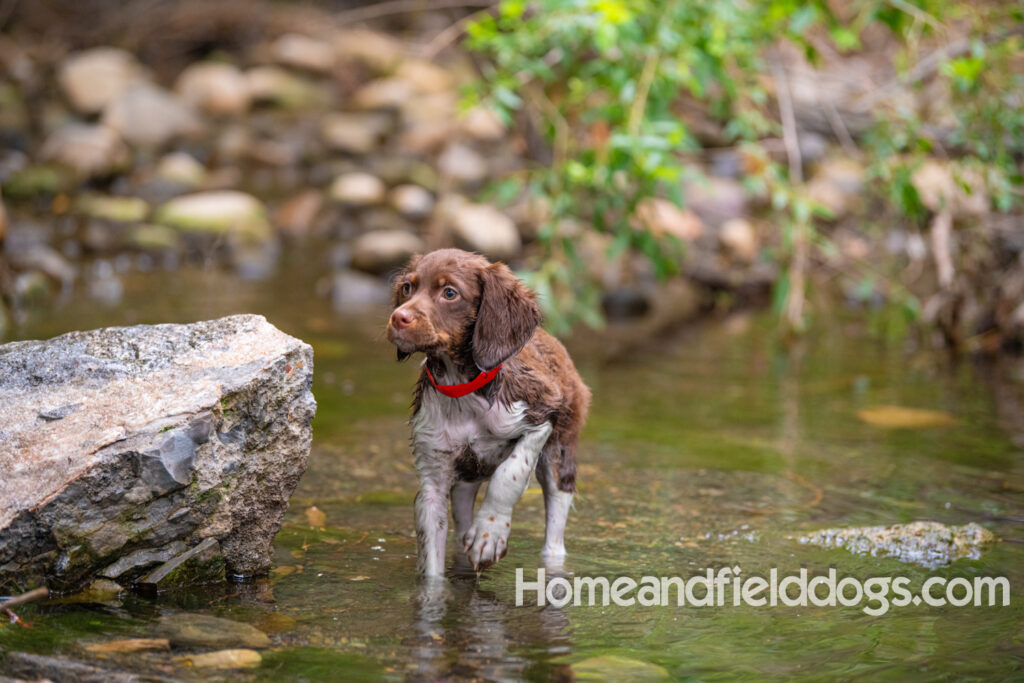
<point>401,319</point>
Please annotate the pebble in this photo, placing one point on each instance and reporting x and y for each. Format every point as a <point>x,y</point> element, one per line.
<point>357,189</point>
<point>215,88</point>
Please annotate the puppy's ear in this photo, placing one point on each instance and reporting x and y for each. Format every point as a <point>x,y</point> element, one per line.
<point>506,319</point>
<point>399,278</point>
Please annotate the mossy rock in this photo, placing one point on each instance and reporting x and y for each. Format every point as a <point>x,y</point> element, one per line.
<point>219,213</point>
<point>116,209</point>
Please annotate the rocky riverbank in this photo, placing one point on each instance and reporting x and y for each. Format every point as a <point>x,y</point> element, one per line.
<point>151,456</point>
<point>247,128</point>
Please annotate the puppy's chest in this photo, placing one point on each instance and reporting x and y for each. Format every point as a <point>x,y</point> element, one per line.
<point>475,435</point>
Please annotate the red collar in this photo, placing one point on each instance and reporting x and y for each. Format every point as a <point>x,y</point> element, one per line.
<point>460,390</point>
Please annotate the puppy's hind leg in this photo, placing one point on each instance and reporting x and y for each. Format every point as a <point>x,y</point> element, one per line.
<point>556,503</point>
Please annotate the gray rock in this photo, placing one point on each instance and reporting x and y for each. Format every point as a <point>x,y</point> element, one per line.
<point>379,252</point>
<point>929,544</point>
<point>150,116</point>
<point>200,630</point>
<point>184,432</point>
<point>93,79</point>
<point>89,150</point>
<point>201,564</point>
<point>142,559</point>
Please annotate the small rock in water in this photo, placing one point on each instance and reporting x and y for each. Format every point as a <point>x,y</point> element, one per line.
<point>129,645</point>
<point>215,88</point>
<point>412,201</point>
<point>303,52</point>
<point>357,189</point>
<point>150,116</point>
<point>379,252</point>
<point>614,667</point>
<point>188,629</point>
<point>462,164</point>
<point>485,229</point>
<point>929,544</point>
<point>896,417</point>
<point>95,78</point>
<point>89,150</point>
<point>226,659</point>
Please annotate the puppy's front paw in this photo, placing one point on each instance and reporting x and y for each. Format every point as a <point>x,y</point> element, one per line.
<point>486,541</point>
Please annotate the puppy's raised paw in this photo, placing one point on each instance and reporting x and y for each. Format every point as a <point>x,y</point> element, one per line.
<point>486,541</point>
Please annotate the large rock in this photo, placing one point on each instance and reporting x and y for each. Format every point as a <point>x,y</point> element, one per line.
<point>124,448</point>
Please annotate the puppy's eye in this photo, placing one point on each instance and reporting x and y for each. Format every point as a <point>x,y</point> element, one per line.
<point>407,288</point>
<point>449,294</point>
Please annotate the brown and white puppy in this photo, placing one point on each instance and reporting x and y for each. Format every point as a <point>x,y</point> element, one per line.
<point>470,316</point>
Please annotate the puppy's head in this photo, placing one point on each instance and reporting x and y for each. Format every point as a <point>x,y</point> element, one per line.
<point>454,302</point>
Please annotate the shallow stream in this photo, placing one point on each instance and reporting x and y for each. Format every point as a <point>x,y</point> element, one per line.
<point>705,448</point>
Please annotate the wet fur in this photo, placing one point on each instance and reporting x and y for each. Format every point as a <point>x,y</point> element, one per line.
<point>537,398</point>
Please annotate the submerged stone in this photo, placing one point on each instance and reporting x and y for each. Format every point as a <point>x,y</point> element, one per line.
<point>929,544</point>
<point>187,629</point>
<point>180,437</point>
<point>226,659</point>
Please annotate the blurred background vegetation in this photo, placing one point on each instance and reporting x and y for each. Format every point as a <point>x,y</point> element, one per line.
<point>633,159</point>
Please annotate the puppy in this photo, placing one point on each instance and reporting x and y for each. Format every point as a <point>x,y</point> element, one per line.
<point>496,398</point>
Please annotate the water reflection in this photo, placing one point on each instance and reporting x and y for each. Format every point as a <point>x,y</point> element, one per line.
<point>465,630</point>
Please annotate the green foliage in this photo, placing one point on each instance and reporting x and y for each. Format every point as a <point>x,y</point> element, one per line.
<point>601,82</point>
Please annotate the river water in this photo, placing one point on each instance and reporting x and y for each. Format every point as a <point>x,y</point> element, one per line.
<point>706,447</point>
